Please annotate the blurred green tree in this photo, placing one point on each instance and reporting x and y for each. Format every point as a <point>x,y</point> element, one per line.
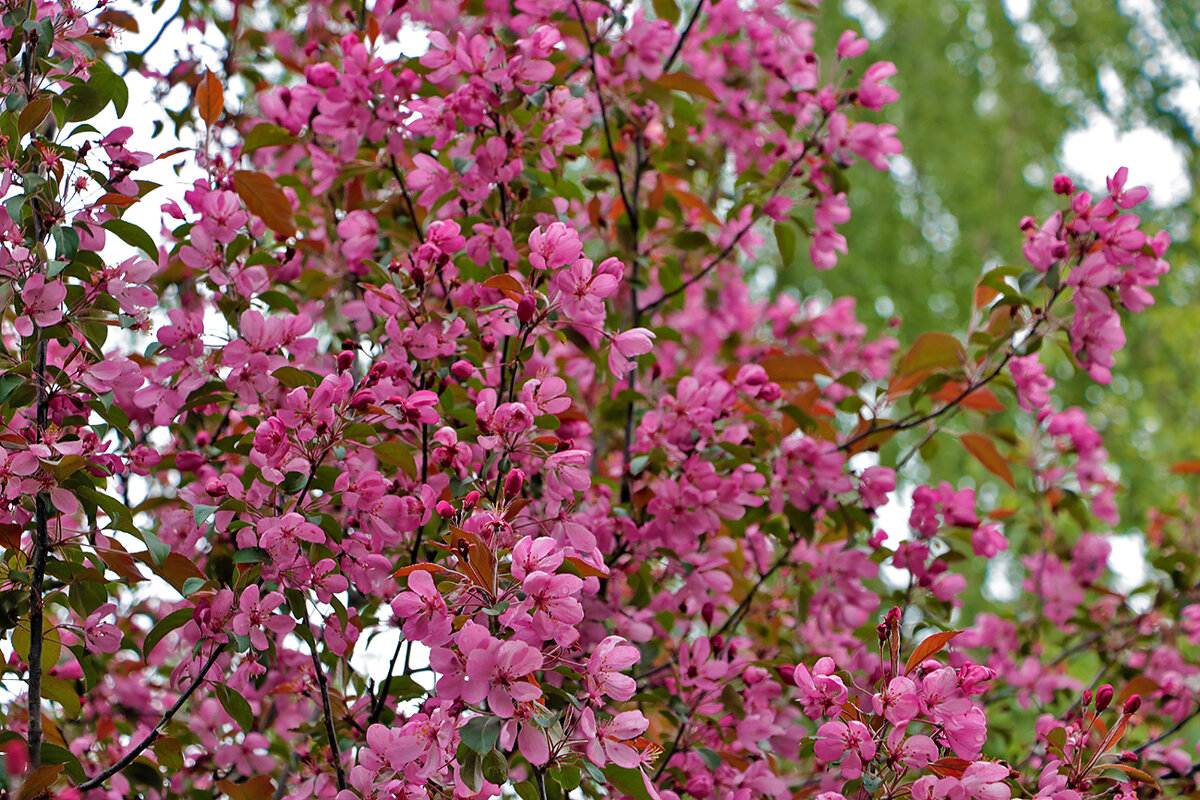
<point>990,93</point>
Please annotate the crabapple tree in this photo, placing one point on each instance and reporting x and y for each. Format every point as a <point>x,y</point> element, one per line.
<point>436,441</point>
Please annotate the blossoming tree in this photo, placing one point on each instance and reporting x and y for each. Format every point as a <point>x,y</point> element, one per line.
<point>461,349</point>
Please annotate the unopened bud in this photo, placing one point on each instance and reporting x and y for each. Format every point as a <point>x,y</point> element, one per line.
<point>1133,703</point>
<point>770,392</point>
<point>215,488</point>
<point>345,360</point>
<point>444,509</point>
<point>349,344</point>
<point>462,370</point>
<point>202,438</point>
<point>526,309</point>
<point>1104,696</point>
<point>513,483</point>
<point>882,630</point>
<point>718,642</point>
<point>1087,697</point>
<point>188,461</point>
<point>488,342</point>
<point>470,500</point>
<point>418,276</point>
<point>361,399</point>
<point>707,612</point>
<point>1129,756</point>
<point>1063,184</point>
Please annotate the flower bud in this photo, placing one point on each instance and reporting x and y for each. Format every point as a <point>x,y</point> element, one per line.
<point>488,342</point>
<point>203,439</point>
<point>770,392</point>
<point>513,483</point>
<point>707,612</point>
<point>361,399</point>
<point>1063,184</point>
<point>345,360</point>
<point>349,344</point>
<point>1129,756</point>
<point>1104,696</point>
<point>188,461</point>
<point>1133,704</point>
<point>444,509</point>
<point>470,500</point>
<point>215,488</point>
<point>526,309</point>
<point>1087,698</point>
<point>462,370</point>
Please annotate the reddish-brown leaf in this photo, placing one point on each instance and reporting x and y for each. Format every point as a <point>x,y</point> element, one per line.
<point>793,368</point>
<point>985,452</point>
<point>585,569</point>
<point>949,767</point>
<point>39,781</point>
<point>32,114</point>
<point>932,644</point>
<point>511,287</point>
<point>933,351</point>
<point>1186,468</point>
<point>1133,772</point>
<point>210,98</point>
<point>114,199</point>
<point>260,787</point>
<point>432,569</point>
<point>262,196</point>
<point>981,399</point>
<point>683,82</point>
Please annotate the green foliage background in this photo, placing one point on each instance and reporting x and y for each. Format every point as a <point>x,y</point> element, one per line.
<point>984,135</point>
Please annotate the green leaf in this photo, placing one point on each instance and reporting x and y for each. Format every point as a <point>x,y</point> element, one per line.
<point>132,235</point>
<point>628,780</point>
<point>202,513</point>
<point>176,619</point>
<point>267,135</point>
<point>786,239</point>
<point>495,767</point>
<point>237,707</point>
<point>251,555</point>
<point>666,9</point>
<point>397,455</point>
<point>292,377</point>
<point>158,550</point>
<point>109,86</point>
<point>481,733</point>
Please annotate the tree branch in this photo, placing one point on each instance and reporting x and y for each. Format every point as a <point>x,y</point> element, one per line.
<point>683,36</point>
<point>150,738</point>
<point>335,753</point>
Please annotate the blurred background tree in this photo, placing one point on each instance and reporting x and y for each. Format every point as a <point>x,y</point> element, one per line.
<point>995,98</point>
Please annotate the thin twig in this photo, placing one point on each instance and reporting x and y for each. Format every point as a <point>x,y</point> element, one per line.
<point>1178,726</point>
<point>683,36</point>
<point>150,738</point>
<point>327,714</point>
<point>612,153</point>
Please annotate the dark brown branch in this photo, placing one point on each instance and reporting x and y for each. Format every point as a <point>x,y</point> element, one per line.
<point>335,753</point>
<point>683,36</point>
<point>153,735</point>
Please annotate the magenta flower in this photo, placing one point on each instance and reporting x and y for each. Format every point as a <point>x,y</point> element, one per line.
<point>423,611</point>
<point>255,616</point>
<point>101,637</point>
<point>502,667</point>
<point>605,667</point>
<point>43,303</point>
<point>626,346</point>
<point>849,741</point>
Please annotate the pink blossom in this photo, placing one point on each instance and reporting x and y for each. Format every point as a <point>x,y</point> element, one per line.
<point>851,742</point>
